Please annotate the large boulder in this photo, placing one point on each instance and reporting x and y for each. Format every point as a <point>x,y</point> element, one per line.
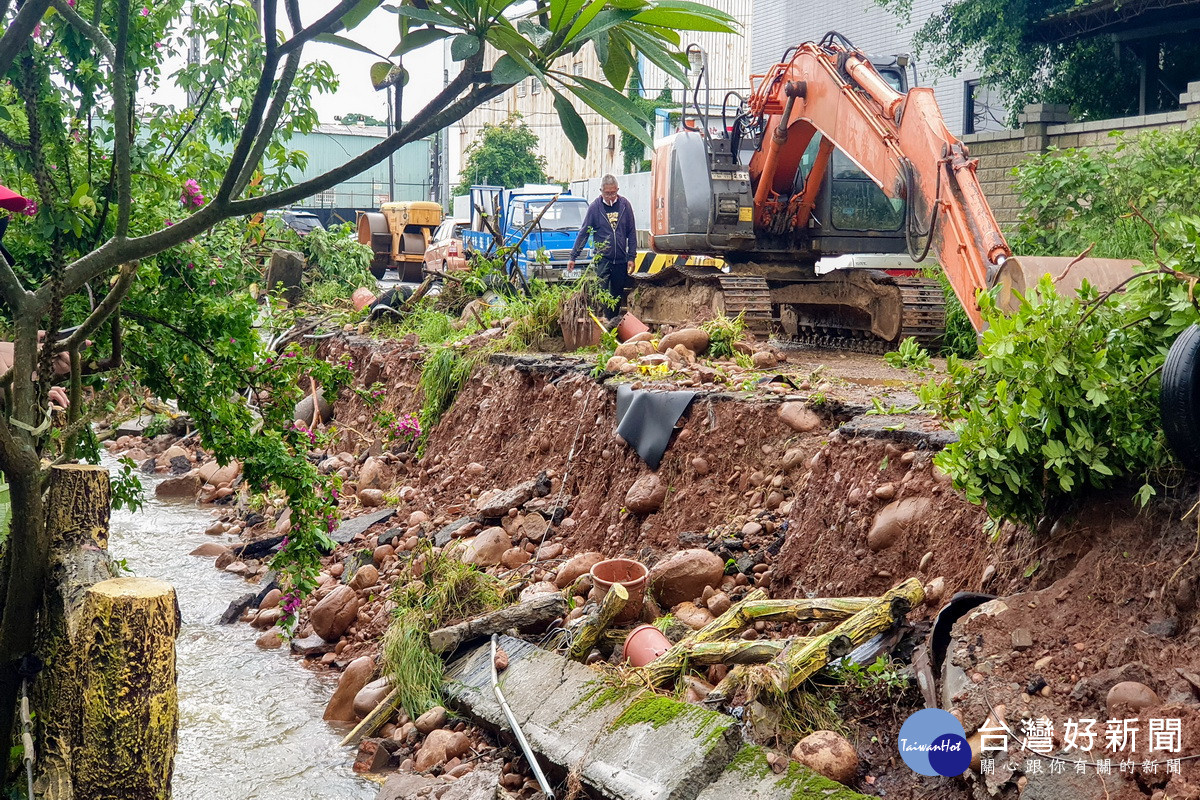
<point>372,475</point>
<point>799,417</point>
<point>576,566</point>
<point>694,339</point>
<point>828,754</point>
<point>214,473</point>
<point>487,549</point>
<point>634,350</point>
<point>895,520</point>
<point>358,674</point>
<point>646,495</point>
<point>335,613</point>
<point>371,695</point>
<point>184,486</point>
<point>684,576</point>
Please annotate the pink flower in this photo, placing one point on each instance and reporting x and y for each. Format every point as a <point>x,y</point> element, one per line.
<point>145,11</point>
<point>31,209</point>
<point>158,45</point>
<point>71,3</point>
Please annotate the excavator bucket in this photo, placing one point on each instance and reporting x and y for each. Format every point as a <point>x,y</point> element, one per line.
<point>1021,273</point>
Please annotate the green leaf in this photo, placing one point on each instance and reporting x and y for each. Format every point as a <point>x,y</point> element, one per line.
<point>342,41</point>
<point>603,22</point>
<point>683,20</point>
<point>358,13</point>
<point>464,46</point>
<point>572,124</point>
<point>384,74</point>
<point>533,32</point>
<point>674,64</point>
<point>430,16</point>
<point>417,39</point>
<point>613,106</point>
<point>4,113</point>
<point>615,62</point>
<point>508,70</point>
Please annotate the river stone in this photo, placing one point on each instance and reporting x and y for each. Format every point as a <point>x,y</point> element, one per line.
<point>271,599</point>
<point>828,754</point>
<point>304,409</point>
<point>371,695</point>
<point>632,351</point>
<point>358,674</point>
<point>692,615</point>
<point>371,476</point>
<point>694,339</point>
<point>367,575</point>
<point>534,526</point>
<point>684,575</point>
<point>214,473</point>
<point>210,549</point>
<point>534,589</point>
<point>1132,695</point>
<point>646,495</point>
<point>799,417</point>
<point>332,616</point>
<point>576,566</point>
<point>431,720</point>
<point>486,549</point>
<point>271,640</point>
<point>793,458</point>
<point>514,557</point>
<point>370,498</point>
<point>182,486</point>
<point>440,746</point>
<point>896,519</point>
<point>764,359</point>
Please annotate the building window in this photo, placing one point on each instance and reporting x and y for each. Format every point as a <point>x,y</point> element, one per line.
<point>537,86</point>
<point>521,89</point>
<point>578,68</point>
<point>982,109</point>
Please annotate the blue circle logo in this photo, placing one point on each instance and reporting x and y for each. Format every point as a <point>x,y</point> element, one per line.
<point>932,742</point>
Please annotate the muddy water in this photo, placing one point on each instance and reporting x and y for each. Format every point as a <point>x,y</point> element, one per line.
<point>250,720</point>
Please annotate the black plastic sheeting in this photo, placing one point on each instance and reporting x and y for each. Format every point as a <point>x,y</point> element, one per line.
<point>646,420</point>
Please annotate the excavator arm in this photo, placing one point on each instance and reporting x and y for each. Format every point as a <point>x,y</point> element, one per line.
<point>899,140</point>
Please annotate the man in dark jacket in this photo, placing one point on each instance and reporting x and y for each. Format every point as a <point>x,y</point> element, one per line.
<point>614,235</point>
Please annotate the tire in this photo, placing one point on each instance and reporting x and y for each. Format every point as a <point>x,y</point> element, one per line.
<point>1179,398</point>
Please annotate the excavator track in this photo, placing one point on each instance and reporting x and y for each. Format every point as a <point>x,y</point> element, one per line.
<point>923,313</point>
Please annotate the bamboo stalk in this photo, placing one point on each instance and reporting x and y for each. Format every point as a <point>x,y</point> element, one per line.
<point>374,720</point>
<point>598,621</point>
<point>799,662</point>
<point>759,651</point>
<point>664,668</point>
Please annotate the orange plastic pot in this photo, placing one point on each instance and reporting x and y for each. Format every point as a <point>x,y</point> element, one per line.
<point>644,644</point>
<point>630,327</point>
<point>630,574</point>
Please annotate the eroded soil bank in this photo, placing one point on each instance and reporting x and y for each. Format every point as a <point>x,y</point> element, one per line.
<point>802,493</point>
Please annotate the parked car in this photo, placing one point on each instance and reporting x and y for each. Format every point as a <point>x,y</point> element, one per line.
<point>445,251</point>
<point>302,222</point>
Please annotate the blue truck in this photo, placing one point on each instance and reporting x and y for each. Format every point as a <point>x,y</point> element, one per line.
<point>545,241</point>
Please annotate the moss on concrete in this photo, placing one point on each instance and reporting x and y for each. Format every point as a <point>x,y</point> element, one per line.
<point>808,785</point>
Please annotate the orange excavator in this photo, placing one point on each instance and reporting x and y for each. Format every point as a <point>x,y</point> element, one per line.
<point>831,155</point>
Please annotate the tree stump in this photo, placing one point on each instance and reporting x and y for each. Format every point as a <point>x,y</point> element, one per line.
<point>286,271</point>
<point>129,711</point>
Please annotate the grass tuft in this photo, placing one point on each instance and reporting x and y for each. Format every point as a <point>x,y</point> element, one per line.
<point>723,333</point>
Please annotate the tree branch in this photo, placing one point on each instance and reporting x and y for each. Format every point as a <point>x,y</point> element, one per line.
<point>322,25</point>
<point>282,89</point>
<point>15,295</point>
<point>110,304</point>
<point>123,138</point>
<point>254,118</point>
<point>17,36</point>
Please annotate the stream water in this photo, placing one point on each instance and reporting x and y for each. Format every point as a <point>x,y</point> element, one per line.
<point>250,724</point>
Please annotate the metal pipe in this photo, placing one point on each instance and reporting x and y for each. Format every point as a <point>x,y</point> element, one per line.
<point>512,720</point>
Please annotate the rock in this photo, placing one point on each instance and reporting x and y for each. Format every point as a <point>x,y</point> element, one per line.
<point>214,473</point>
<point>764,359</point>
<point>886,492</point>
<point>358,673</point>
<point>549,551</point>
<point>182,486</point>
<point>367,575</point>
<point>828,754</point>
<point>576,566</point>
<point>700,466</point>
<point>335,613</point>
<point>1022,639</point>
<point>534,589</point>
<point>692,615</point>
<point>371,695</point>
<point>371,476</point>
<point>694,339</point>
<point>793,458</point>
<point>175,451</point>
<point>304,409</point>
<point>616,364</point>
<point>514,557</point>
<point>431,720</point>
<point>534,527</point>
<point>381,554</point>
<point>497,502</point>
<point>895,520</point>
<point>646,495</point>
<point>1130,695</point>
<point>271,640</point>
<point>934,591</point>
<point>719,603</point>
<point>271,599</point>
<point>439,747</point>
<point>370,498</point>
<point>684,575</point>
<point>417,518</point>
<point>751,529</point>
<point>631,351</point>
<point>372,756</point>
<point>799,417</point>
<point>487,548</point>
<point>210,549</point>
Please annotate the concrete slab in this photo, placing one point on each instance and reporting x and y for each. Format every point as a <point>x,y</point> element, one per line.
<point>749,777</point>
<point>627,745</point>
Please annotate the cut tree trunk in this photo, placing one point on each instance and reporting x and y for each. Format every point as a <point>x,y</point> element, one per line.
<point>538,610</point>
<point>125,742</point>
<point>598,621</point>
<point>77,525</point>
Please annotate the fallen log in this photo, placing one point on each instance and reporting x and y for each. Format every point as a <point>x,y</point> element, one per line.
<point>375,719</point>
<point>799,662</point>
<point>538,610</point>
<point>598,621</point>
<point>761,651</point>
<point>660,671</point>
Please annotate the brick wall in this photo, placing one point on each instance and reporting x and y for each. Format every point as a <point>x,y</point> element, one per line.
<point>1045,126</point>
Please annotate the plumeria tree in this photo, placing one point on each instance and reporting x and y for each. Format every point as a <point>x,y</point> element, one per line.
<point>128,235</point>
